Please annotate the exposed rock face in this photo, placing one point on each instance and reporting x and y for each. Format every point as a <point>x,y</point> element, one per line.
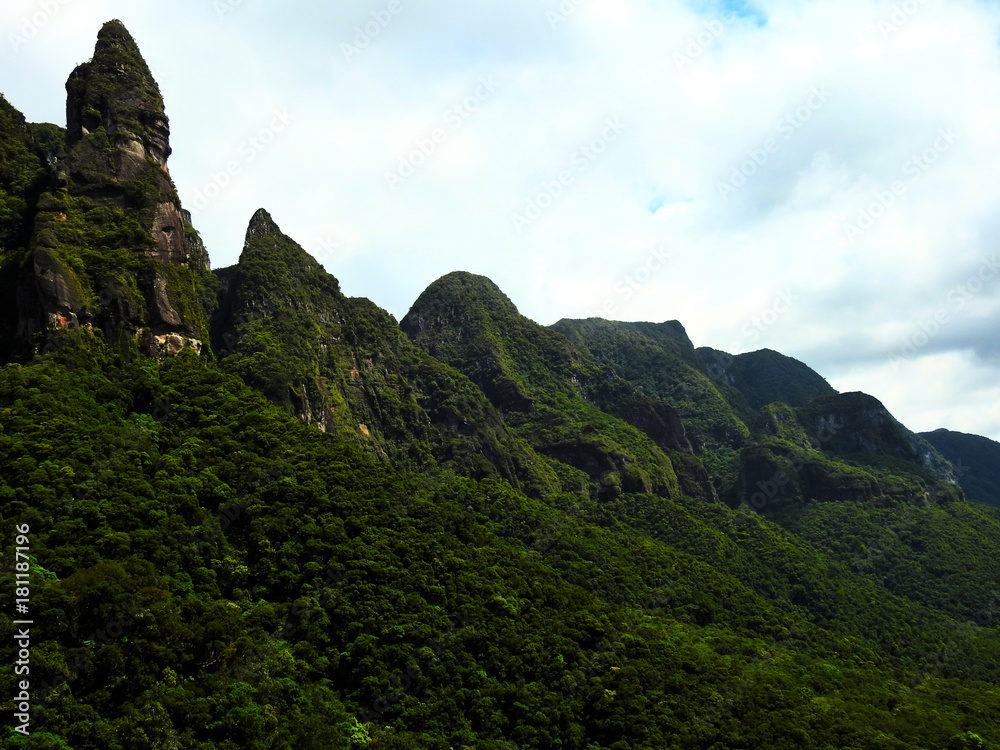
<point>161,303</point>
<point>842,448</point>
<point>116,91</point>
<point>774,479</point>
<point>167,344</point>
<point>261,224</point>
<point>658,420</point>
<point>106,186</point>
<point>168,232</point>
<point>59,297</point>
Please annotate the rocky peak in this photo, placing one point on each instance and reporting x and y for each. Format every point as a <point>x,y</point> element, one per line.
<point>766,376</point>
<point>116,90</point>
<point>103,184</point>
<point>261,224</point>
<point>118,140</point>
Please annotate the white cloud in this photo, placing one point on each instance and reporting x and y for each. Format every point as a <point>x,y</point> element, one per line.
<point>951,388</point>
<point>748,90</point>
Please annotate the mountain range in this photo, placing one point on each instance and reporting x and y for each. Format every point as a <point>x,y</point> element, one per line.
<point>264,514</point>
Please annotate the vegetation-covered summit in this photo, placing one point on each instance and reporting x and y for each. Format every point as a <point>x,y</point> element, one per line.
<point>282,324</point>
<point>597,428</point>
<point>765,376</point>
<point>116,90</point>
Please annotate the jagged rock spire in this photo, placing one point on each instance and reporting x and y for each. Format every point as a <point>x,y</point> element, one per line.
<point>260,224</point>
<point>111,193</point>
<point>116,91</point>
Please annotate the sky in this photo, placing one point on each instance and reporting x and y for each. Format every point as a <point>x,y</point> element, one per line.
<point>816,177</point>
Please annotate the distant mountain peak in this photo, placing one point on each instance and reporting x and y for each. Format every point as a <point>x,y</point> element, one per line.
<point>458,295</point>
<point>471,282</point>
<point>261,224</point>
<point>765,376</point>
<point>976,460</point>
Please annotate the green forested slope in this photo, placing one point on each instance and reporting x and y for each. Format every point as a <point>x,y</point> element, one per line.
<point>661,361</point>
<point>215,573</point>
<point>283,325</point>
<point>567,405</point>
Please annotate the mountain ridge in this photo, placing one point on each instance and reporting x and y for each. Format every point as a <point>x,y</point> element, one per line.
<point>975,460</point>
